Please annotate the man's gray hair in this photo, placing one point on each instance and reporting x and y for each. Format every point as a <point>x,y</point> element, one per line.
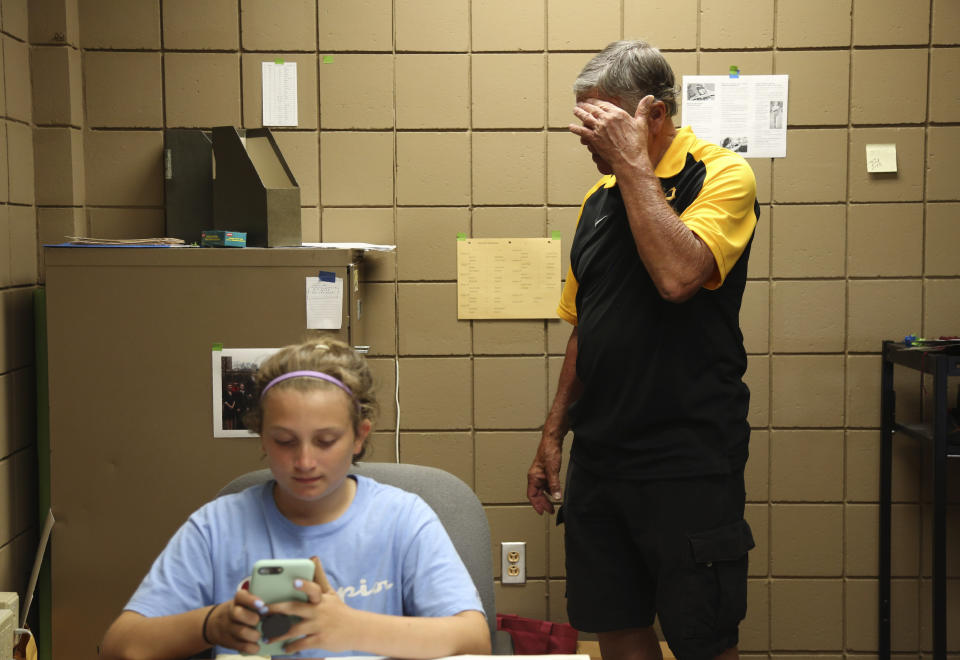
<point>627,71</point>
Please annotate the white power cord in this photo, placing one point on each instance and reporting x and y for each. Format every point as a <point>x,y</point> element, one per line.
<point>396,398</point>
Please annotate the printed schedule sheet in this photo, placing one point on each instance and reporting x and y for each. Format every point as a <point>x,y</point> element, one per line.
<point>508,278</point>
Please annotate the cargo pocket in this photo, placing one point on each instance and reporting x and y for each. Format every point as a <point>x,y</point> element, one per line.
<point>717,598</point>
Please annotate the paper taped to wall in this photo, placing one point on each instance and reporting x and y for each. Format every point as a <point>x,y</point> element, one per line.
<point>745,114</point>
<point>881,158</point>
<point>279,93</point>
<point>324,302</point>
<point>508,278</point>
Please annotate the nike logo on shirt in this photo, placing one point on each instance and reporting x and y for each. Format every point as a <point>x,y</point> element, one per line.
<point>596,223</point>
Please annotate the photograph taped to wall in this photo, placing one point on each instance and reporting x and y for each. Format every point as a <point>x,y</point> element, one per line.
<point>233,372</point>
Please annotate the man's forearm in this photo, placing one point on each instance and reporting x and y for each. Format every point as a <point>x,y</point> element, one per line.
<point>678,262</point>
<point>543,477</point>
<point>569,389</point>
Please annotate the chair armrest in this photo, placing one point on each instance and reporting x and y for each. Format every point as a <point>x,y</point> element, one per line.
<point>502,643</point>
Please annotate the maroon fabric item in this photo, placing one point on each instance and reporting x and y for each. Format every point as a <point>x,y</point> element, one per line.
<point>534,637</point>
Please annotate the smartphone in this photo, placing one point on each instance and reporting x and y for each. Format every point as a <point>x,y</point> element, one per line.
<point>272,582</point>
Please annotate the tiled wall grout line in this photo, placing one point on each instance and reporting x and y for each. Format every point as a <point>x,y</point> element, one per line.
<point>846,315</point>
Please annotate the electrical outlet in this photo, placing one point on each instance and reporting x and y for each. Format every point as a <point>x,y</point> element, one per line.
<point>513,562</point>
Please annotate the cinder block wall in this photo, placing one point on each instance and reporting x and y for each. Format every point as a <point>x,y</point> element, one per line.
<point>18,278</point>
<point>423,118</point>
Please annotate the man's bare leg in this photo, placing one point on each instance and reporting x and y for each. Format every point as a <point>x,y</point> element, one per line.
<point>631,644</point>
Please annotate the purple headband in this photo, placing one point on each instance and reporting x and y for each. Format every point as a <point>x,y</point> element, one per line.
<point>310,374</point>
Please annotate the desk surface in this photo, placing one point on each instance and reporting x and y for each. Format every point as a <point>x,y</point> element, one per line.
<point>225,656</point>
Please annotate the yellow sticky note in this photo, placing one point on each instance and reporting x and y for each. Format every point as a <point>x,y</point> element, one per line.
<point>881,158</point>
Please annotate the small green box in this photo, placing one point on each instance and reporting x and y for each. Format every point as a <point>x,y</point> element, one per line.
<point>221,238</point>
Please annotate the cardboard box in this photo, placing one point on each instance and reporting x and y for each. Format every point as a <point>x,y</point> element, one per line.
<point>220,238</point>
<point>7,624</point>
<point>254,190</point>
<point>10,601</point>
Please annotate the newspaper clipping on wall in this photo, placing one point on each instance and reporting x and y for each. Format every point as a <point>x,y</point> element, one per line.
<point>746,114</point>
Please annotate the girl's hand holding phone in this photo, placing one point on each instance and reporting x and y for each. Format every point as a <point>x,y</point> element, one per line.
<point>325,619</point>
<point>237,624</point>
<point>232,624</point>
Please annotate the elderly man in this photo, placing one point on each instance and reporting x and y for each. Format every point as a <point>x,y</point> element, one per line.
<point>651,382</point>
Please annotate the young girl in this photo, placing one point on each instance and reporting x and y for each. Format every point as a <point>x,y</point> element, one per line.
<point>391,582</point>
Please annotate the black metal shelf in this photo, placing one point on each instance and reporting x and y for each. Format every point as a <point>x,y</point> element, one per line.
<point>925,432</point>
<point>923,358</point>
<point>943,445</point>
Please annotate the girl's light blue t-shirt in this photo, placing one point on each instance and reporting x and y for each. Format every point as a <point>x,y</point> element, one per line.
<point>388,554</point>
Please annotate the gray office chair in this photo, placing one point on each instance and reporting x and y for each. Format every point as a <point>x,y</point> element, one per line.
<point>457,507</point>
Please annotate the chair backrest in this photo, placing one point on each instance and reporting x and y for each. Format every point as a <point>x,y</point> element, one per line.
<point>454,502</point>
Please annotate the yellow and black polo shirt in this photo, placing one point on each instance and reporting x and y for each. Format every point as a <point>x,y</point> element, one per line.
<point>663,390</point>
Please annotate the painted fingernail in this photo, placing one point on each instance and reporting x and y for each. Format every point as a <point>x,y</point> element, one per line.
<point>258,604</point>
<point>298,583</point>
<point>263,609</point>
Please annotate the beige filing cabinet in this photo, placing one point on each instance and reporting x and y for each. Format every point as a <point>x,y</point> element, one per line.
<point>132,452</point>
